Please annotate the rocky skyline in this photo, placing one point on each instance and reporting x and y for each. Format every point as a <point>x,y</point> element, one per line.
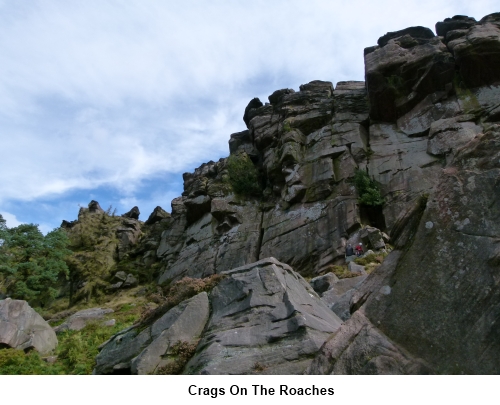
<point>114,103</point>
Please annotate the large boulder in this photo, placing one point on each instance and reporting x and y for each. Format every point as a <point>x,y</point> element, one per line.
<point>265,318</point>
<point>21,327</point>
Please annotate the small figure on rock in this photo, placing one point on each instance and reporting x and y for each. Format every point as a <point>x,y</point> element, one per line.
<point>359,249</point>
<point>349,251</point>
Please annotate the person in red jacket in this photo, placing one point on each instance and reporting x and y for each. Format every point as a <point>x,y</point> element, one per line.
<point>359,249</point>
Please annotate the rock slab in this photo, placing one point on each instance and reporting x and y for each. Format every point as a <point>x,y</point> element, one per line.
<point>265,319</point>
<point>23,328</point>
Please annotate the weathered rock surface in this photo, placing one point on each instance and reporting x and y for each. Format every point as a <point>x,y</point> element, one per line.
<point>423,127</point>
<point>476,49</point>
<point>23,328</point>
<point>133,213</point>
<point>143,351</point>
<point>439,301</point>
<point>80,319</point>
<point>265,318</point>
<point>157,215</point>
<point>323,283</point>
<point>338,297</point>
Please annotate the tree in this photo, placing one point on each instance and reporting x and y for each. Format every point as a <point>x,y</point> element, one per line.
<point>31,264</point>
<point>3,223</point>
<point>243,175</point>
<point>368,191</point>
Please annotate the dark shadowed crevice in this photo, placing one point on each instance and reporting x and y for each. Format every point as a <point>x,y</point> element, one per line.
<point>373,216</point>
<point>261,237</point>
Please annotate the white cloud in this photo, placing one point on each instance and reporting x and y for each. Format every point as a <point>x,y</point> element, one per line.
<point>10,219</point>
<point>112,93</point>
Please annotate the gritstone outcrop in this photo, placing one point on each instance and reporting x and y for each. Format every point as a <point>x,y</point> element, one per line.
<point>423,131</point>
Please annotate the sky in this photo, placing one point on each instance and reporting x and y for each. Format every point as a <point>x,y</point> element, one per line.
<point>113,100</point>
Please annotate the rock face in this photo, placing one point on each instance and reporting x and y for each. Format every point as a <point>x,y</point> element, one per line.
<point>424,128</point>
<point>133,213</point>
<point>305,146</point>
<point>157,215</point>
<point>265,318</point>
<point>144,351</point>
<point>23,328</point>
<point>437,303</point>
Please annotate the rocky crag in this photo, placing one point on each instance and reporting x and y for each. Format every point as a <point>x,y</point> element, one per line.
<point>407,161</point>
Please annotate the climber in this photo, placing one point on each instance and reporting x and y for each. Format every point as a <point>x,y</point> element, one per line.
<point>359,249</point>
<point>349,251</point>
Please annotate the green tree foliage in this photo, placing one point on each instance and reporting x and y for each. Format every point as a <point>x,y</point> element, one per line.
<point>243,175</point>
<point>368,191</point>
<point>31,264</point>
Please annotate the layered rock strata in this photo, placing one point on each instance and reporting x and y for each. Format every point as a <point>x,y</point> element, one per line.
<point>265,318</point>
<point>439,298</point>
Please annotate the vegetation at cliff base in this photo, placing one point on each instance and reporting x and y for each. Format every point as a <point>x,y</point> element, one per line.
<point>31,264</point>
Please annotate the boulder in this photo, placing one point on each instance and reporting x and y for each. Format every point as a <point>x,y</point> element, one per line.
<point>417,34</point>
<point>372,238</point>
<point>458,22</point>
<point>157,215</point>
<point>356,268</point>
<point>265,318</point>
<point>143,350</point>
<point>323,283</point>
<point>130,281</point>
<point>133,213</point>
<point>252,105</point>
<point>476,49</point>
<point>95,207</point>
<point>81,319</point>
<point>408,66</point>
<point>22,328</point>
<point>120,275</point>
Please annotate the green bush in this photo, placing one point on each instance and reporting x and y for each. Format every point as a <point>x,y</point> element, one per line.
<point>75,352</point>
<point>371,258</point>
<point>31,264</point>
<point>342,272</point>
<point>286,127</point>
<point>243,175</point>
<point>16,362</point>
<point>368,190</point>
